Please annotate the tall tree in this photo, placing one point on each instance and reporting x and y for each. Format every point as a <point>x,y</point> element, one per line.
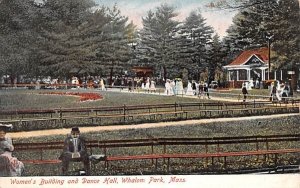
<point>146,47</point>
<point>159,28</point>
<point>16,36</point>
<point>250,25</point>
<point>216,59</point>
<point>62,42</point>
<point>286,43</point>
<point>197,37</point>
<point>235,4</point>
<point>117,48</point>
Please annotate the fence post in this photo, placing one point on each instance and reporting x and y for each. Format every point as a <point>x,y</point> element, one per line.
<point>124,112</point>
<point>60,113</point>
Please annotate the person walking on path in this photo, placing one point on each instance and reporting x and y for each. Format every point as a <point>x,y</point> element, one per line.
<point>205,89</point>
<point>245,92</point>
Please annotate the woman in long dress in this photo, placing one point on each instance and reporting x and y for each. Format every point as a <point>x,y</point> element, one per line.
<point>147,85</point>
<point>102,84</point>
<point>152,85</point>
<point>168,87</point>
<point>189,90</point>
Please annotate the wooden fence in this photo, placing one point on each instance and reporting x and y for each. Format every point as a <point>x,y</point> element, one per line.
<point>162,151</point>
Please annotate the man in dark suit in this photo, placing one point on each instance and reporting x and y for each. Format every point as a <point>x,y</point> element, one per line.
<point>74,150</point>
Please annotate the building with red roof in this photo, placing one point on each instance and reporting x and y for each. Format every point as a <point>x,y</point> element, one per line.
<point>252,66</point>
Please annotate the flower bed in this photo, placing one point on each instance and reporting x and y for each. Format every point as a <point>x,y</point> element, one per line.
<point>83,96</point>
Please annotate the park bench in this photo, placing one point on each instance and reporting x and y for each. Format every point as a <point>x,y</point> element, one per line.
<point>115,87</point>
<point>224,155</point>
<point>216,152</point>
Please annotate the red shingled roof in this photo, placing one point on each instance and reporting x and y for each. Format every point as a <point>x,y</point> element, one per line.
<point>261,53</point>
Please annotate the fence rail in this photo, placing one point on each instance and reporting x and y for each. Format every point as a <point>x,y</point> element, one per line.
<point>263,147</point>
<point>40,119</point>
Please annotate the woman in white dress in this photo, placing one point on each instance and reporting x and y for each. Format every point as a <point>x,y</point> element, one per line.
<point>102,84</point>
<point>189,90</point>
<point>168,87</point>
<point>147,85</point>
<point>152,85</point>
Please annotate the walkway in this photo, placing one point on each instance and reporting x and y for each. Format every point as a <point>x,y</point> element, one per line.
<point>138,126</point>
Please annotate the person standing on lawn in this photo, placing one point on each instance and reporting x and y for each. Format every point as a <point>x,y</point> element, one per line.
<point>75,150</point>
<point>245,92</point>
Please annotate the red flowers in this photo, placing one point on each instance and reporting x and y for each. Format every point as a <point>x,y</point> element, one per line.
<point>83,96</point>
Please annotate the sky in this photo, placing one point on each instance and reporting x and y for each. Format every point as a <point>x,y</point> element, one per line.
<point>136,9</point>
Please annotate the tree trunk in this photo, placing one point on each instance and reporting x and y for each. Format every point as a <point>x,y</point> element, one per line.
<point>111,75</point>
<point>165,72</point>
<point>294,77</point>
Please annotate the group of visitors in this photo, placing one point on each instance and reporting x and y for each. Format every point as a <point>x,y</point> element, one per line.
<point>90,82</point>
<point>277,91</point>
<point>148,85</point>
<point>280,92</point>
<point>198,89</point>
<point>174,87</point>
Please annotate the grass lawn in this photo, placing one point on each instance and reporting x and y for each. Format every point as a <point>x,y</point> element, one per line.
<point>33,99</point>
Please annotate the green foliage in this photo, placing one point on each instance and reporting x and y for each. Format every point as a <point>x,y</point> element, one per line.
<point>286,34</point>
<point>156,45</point>
<point>193,40</point>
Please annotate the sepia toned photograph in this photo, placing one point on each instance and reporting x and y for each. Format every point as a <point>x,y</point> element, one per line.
<point>144,93</point>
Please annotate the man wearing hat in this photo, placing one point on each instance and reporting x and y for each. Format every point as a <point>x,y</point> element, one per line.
<point>74,150</point>
<point>9,165</point>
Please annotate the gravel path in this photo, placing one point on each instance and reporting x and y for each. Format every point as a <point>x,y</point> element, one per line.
<point>138,126</point>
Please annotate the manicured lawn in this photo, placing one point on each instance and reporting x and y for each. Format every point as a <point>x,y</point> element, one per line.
<point>33,99</point>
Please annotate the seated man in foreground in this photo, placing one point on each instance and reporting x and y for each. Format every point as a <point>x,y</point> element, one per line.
<point>74,150</point>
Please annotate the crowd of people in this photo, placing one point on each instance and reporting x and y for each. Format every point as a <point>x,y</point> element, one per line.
<point>277,91</point>
<point>175,87</point>
<point>280,92</point>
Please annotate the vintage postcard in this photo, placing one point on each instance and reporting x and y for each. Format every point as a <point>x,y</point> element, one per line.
<point>149,93</point>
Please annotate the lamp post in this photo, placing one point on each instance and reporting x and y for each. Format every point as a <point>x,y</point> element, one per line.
<point>269,38</point>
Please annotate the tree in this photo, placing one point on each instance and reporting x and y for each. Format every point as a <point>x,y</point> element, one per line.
<point>63,43</point>
<point>116,48</point>
<point>235,4</point>
<point>16,36</point>
<point>157,40</point>
<point>197,37</point>
<point>250,25</point>
<point>146,47</point>
<point>286,37</point>
<point>216,61</point>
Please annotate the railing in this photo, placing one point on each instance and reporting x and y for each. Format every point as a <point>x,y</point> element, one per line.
<point>54,118</point>
<point>165,142</point>
<point>213,150</point>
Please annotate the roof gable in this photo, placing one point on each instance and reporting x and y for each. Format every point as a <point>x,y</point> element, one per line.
<point>254,61</point>
<point>246,56</point>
